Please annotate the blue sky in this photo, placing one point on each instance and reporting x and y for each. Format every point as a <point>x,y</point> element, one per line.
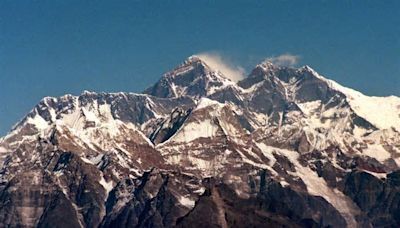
<point>49,48</point>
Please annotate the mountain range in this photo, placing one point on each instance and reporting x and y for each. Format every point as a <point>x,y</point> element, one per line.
<point>283,147</point>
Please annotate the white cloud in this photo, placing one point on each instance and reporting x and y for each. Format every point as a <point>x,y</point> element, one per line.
<point>284,60</point>
<point>217,62</point>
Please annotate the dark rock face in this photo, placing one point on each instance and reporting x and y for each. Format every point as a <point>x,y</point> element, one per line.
<point>41,200</point>
<point>305,210</point>
<point>59,213</point>
<point>151,203</point>
<point>379,199</point>
<point>273,206</point>
<point>228,94</point>
<point>269,96</point>
<point>170,126</point>
<point>281,148</point>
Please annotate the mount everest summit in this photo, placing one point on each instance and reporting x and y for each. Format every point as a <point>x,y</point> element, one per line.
<point>284,147</point>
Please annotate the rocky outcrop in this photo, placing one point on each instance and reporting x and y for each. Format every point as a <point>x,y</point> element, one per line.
<point>378,198</point>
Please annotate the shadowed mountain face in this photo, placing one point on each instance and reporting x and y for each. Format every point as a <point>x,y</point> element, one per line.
<point>284,147</point>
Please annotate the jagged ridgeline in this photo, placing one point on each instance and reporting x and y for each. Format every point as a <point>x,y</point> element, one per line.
<point>284,147</point>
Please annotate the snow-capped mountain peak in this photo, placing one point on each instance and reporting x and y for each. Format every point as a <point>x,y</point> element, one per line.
<point>365,106</point>
<point>194,78</point>
<point>197,141</point>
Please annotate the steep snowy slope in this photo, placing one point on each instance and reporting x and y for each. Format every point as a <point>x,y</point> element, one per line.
<point>383,112</point>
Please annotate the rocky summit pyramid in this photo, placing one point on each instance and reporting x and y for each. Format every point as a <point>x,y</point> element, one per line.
<point>284,147</point>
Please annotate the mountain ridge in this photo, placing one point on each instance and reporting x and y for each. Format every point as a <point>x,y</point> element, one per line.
<point>195,142</point>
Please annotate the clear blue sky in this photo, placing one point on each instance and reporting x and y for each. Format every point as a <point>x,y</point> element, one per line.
<point>49,48</point>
